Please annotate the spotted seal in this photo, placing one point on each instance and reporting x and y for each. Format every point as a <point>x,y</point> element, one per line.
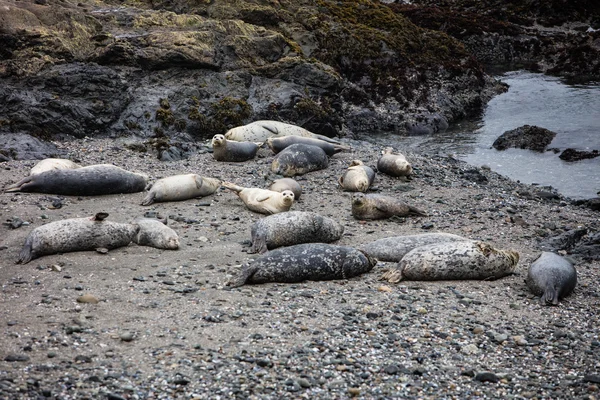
<point>393,164</point>
<point>395,247</point>
<point>277,144</point>
<point>309,261</point>
<point>76,234</point>
<point>155,233</point>
<point>453,261</point>
<point>260,131</point>
<point>263,201</point>
<point>180,187</point>
<point>49,164</point>
<point>298,159</point>
<point>279,185</point>
<point>357,178</point>
<point>293,227</point>
<point>232,151</point>
<point>551,276</point>
<point>93,180</point>
<point>377,206</point>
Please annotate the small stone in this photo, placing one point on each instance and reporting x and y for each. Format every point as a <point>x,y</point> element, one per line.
<point>422,310</point>
<point>56,268</point>
<point>16,357</point>
<point>391,369</point>
<point>478,330</point>
<point>487,377</point>
<point>353,392</point>
<point>127,337</point>
<point>520,340</point>
<point>470,349</point>
<point>384,288</point>
<point>88,299</point>
<point>303,382</point>
<point>102,250</point>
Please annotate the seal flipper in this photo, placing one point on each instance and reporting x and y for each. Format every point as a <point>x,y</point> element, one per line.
<point>259,243</point>
<point>392,275</point>
<point>19,186</point>
<point>149,199</point>
<point>416,211</point>
<point>550,296</point>
<point>243,277</point>
<point>26,253</point>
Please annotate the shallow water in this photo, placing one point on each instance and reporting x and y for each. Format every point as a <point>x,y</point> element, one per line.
<point>572,111</point>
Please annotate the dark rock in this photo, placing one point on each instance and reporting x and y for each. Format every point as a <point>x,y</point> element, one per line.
<point>529,137</point>
<point>487,377</point>
<point>577,155</point>
<point>473,175</point>
<point>564,241</point>
<point>16,357</point>
<point>19,146</point>
<point>591,378</point>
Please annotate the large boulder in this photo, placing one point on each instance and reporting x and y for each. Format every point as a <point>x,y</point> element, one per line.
<point>529,137</point>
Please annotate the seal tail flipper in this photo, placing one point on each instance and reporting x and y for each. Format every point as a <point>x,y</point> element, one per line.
<point>392,275</point>
<point>550,296</point>
<point>243,277</point>
<point>26,253</point>
<point>149,199</point>
<point>259,244</point>
<point>338,148</point>
<point>232,186</point>
<point>415,211</point>
<point>17,187</point>
<point>326,138</point>
<point>101,216</point>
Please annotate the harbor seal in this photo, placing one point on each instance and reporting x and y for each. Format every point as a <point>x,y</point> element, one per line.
<point>309,261</point>
<point>50,164</point>
<point>395,247</point>
<point>377,206</point>
<point>298,159</point>
<point>93,180</point>
<point>260,131</point>
<point>263,201</point>
<point>76,234</point>
<point>393,164</point>
<point>357,178</point>
<point>454,261</point>
<point>230,150</point>
<point>277,144</point>
<point>293,227</point>
<point>180,187</point>
<point>279,185</point>
<point>155,233</point>
<point>551,276</point>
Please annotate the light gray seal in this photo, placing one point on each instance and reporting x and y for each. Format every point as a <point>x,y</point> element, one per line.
<point>260,131</point>
<point>155,233</point>
<point>232,151</point>
<point>76,234</point>
<point>378,206</point>
<point>395,247</point>
<point>310,261</point>
<point>293,227</point>
<point>454,261</point>
<point>357,178</point>
<point>49,164</point>
<point>277,144</point>
<point>93,180</point>
<point>263,201</point>
<point>180,187</point>
<point>551,276</point>
<point>279,185</point>
<point>393,164</point>
<point>298,159</point>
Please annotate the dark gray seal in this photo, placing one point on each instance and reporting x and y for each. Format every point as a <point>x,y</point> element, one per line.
<point>93,180</point>
<point>551,276</point>
<point>293,227</point>
<point>155,233</point>
<point>298,159</point>
<point>311,261</point>
<point>277,144</point>
<point>395,247</point>
<point>232,151</point>
<point>76,234</point>
<point>378,206</point>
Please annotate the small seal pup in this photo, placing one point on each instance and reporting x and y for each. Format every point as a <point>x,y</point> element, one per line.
<point>230,150</point>
<point>76,234</point>
<point>309,261</point>
<point>357,178</point>
<point>263,201</point>
<point>260,131</point>
<point>93,180</point>
<point>377,206</point>
<point>453,261</point>
<point>180,187</point>
<point>293,227</point>
<point>279,185</point>
<point>393,164</point>
<point>155,233</point>
<point>298,159</point>
<point>277,144</point>
<point>49,164</point>
<point>551,276</point>
<point>395,247</point>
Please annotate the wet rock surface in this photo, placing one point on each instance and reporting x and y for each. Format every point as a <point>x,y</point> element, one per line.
<point>528,137</point>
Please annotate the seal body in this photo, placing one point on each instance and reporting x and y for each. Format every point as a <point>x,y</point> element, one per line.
<point>155,233</point>
<point>260,131</point>
<point>298,159</point>
<point>76,234</point>
<point>395,247</point>
<point>454,261</point>
<point>93,180</point>
<point>357,178</point>
<point>293,227</point>
<point>377,206</point>
<point>312,261</point>
<point>229,150</point>
<point>551,276</point>
<point>393,164</point>
<point>50,164</point>
<point>180,187</point>
<point>277,144</point>
<point>263,201</point>
<point>279,185</point>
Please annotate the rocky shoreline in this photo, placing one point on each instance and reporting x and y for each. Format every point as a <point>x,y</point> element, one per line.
<point>166,326</point>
